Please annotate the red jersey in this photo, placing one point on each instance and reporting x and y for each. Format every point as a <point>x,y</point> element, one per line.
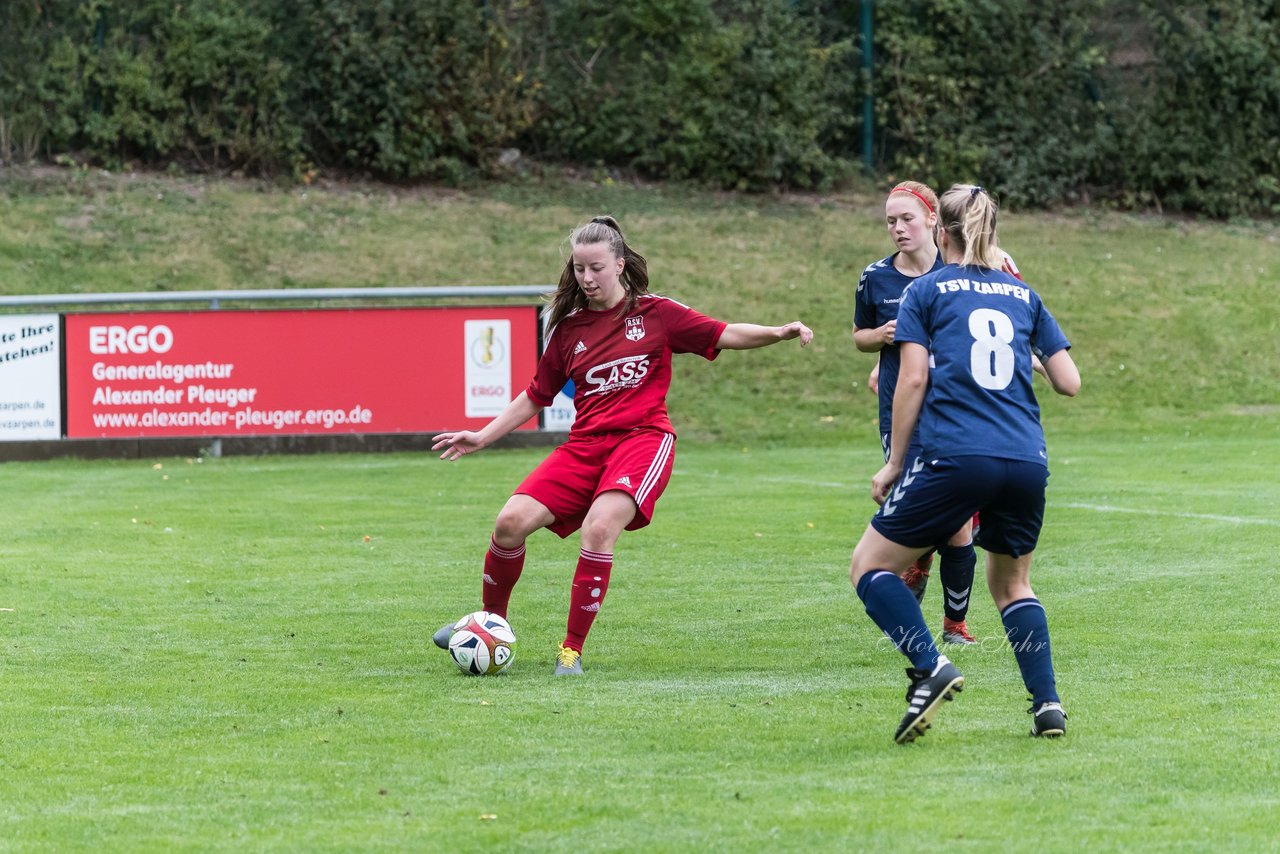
<point>1009,267</point>
<point>621,364</point>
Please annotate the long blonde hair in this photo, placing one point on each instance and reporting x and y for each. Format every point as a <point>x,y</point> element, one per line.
<point>967,213</point>
<point>569,297</point>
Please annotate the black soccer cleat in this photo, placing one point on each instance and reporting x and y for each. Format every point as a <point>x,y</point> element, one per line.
<point>1048,720</point>
<point>925,695</point>
<point>442,635</point>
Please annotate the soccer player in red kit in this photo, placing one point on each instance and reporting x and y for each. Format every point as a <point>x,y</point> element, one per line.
<point>615,340</point>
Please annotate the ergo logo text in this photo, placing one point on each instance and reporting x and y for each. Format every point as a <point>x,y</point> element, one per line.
<point>132,339</point>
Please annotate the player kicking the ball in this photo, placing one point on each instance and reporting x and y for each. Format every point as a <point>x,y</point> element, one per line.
<point>983,450</point>
<point>615,340</point>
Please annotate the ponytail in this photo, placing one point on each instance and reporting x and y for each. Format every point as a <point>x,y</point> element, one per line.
<point>967,213</point>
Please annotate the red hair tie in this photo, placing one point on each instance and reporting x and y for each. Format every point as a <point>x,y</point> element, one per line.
<point>928,206</point>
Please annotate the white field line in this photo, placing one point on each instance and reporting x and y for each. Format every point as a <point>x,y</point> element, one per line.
<point>1235,520</point>
<point>796,481</point>
<point>1100,508</point>
<point>799,481</point>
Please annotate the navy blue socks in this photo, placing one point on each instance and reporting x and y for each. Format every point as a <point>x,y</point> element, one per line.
<point>1028,631</point>
<point>955,565</point>
<point>892,607</point>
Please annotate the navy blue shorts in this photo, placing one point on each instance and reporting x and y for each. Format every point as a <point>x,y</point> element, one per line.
<point>933,499</point>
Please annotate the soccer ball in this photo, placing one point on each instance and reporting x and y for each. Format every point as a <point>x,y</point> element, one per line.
<point>482,644</point>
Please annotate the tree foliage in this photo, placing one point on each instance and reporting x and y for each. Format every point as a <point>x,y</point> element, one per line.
<point>1163,103</point>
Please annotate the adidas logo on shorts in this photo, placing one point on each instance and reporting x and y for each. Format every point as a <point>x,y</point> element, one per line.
<point>624,480</point>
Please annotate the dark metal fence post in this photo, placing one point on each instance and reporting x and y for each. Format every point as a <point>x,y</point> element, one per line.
<point>868,98</point>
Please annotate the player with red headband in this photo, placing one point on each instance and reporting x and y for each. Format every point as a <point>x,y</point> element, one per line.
<point>911,216</point>
<point>969,337</point>
<point>615,340</point>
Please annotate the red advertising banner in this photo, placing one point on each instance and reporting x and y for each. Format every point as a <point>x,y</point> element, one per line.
<point>255,373</point>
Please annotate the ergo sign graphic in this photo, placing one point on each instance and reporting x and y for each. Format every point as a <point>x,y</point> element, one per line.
<point>228,373</point>
<point>105,340</point>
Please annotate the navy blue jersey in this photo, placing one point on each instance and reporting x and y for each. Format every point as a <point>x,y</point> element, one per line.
<point>880,291</point>
<point>981,327</point>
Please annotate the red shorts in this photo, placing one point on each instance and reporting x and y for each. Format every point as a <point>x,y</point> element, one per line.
<point>637,462</point>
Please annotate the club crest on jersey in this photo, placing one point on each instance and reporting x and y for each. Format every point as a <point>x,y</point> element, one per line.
<point>635,328</point>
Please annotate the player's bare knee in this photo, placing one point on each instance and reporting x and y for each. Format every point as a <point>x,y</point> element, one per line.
<point>1012,590</point>
<point>512,526</point>
<point>600,533</point>
<point>857,569</point>
<point>506,531</point>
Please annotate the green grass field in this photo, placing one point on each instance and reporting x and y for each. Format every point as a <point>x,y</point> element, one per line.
<point>234,653</point>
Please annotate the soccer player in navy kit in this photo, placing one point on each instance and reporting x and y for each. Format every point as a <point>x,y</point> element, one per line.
<point>911,214</point>
<point>615,341</point>
<point>967,334</point>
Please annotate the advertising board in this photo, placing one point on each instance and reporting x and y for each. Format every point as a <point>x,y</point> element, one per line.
<point>30,387</point>
<point>245,373</point>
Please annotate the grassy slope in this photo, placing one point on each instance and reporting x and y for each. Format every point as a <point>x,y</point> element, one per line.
<point>1169,318</point>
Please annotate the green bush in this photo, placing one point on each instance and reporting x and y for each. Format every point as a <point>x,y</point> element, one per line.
<point>156,80</point>
<point>401,88</point>
<point>735,94</point>
<point>228,89</point>
<point>742,94</point>
<point>32,37</point>
<point>994,91</point>
<point>1202,132</point>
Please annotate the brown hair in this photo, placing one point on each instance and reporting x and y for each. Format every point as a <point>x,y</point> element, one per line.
<point>967,214</point>
<point>569,298</point>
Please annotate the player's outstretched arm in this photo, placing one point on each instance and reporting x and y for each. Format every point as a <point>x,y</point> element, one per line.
<point>1062,373</point>
<point>462,442</point>
<point>749,336</point>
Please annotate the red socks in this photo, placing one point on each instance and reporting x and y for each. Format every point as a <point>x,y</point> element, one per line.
<point>502,569</point>
<point>590,582</point>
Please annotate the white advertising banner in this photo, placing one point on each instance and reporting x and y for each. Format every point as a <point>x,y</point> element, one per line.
<point>488,371</point>
<point>558,417</point>
<point>30,377</point>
